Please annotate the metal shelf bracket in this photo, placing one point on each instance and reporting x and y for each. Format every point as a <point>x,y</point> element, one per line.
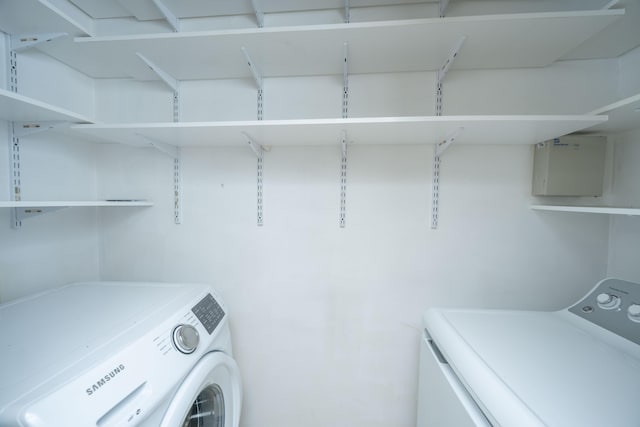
<point>347,12</point>
<point>168,79</point>
<point>345,82</point>
<point>26,41</point>
<point>438,150</point>
<point>442,72</point>
<point>257,10</point>
<point>343,181</point>
<point>259,152</point>
<point>442,7</point>
<point>442,146</point>
<point>258,79</point>
<point>175,153</point>
<point>21,129</point>
<point>169,16</point>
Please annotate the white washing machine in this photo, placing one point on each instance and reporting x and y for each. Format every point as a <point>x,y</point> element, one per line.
<point>575,367</point>
<point>118,354</point>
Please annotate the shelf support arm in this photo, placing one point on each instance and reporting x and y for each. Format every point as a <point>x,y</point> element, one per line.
<point>343,181</point>
<point>258,79</point>
<point>442,72</point>
<point>257,10</point>
<point>347,12</point>
<point>259,152</point>
<point>26,41</point>
<point>21,129</point>
<point>435,183</point>
<point>169,16</point>
<point>345,82</point>
<point>442,7</point>
<point>175,153</point>
<point>169,80</point>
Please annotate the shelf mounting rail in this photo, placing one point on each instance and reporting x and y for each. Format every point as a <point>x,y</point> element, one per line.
<point>169,16</point>
<point>18,43</point>
<point>259,151</point>
<point>172,151</point>
<point>345,114</point>
<point>440,147</point>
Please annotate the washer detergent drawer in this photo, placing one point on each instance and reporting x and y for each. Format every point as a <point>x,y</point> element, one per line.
<point>442,399</point>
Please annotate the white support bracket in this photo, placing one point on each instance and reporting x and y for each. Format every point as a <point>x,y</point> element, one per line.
<point>610,4</point>
<point>442,7</point>
<point>345,82</point>
<point>14,175</point>
<point>21,129</point>
<point>24,213</point>
<point>175,153</point>
<point>26,41</point>
<point>438,149</point>
<point>343,181</point>
<point>169,16</point>
<point>258,79</point>
<point>347,12</point>
<point>257,10</point>
<point>442,72</point>
<point>169,80</point>
<point>259,151</point>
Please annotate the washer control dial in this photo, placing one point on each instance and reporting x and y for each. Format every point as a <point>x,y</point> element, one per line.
<point>186,338</point>
<point>608,301</point>
<point>634,312</point>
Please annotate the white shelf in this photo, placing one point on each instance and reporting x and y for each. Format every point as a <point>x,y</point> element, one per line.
<point>624,116</point>
<point>19,108</point>
<point>493,41</point>
<point>38,16</point>
<point>69,204</point>
<point>377,130</point>
<point>589,209</point>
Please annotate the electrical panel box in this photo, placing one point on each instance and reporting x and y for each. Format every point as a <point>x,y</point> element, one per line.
<point>569,166</point>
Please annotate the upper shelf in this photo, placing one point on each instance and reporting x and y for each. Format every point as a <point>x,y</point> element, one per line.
<point>19,108</point>
<point>73,203</point>
<point>38,16</point>
<point>534,40</point>
<point>377,130</point>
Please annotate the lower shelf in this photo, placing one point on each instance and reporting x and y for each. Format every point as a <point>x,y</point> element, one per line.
<point>610,210</point>
<point>26,209</point>
<point>69,204</point>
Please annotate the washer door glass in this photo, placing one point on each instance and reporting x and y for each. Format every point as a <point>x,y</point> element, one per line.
<point>209,396</point>
<point>207,410</point>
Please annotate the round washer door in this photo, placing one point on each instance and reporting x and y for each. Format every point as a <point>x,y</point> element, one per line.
<point>209,396</point>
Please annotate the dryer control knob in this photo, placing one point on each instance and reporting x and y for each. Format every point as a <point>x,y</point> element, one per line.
<point>186,338</point>
<point>608,301</point>
<point>634,312</point>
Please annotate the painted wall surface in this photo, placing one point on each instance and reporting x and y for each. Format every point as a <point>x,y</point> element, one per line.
<point>624,245</point>
<point>59,247</point>
<point>326,321</point>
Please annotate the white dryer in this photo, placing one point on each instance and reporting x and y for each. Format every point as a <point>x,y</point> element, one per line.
<point>118,354</point>
<point>502,368</point>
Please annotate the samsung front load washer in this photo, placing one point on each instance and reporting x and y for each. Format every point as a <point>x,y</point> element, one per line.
<point>118,354</point>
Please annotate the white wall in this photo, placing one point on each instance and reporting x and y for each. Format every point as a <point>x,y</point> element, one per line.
<point>326,321</point>
<point>624,244</point>
<point>62,246</point>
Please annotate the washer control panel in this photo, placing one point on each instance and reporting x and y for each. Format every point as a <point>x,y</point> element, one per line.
<point>614,305</point>
<point>209,313</point>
